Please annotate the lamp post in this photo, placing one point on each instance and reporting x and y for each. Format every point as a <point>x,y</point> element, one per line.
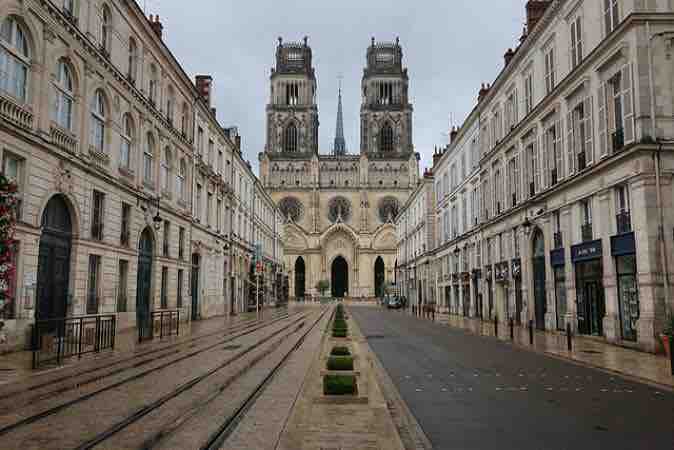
<point>157,220</point>
<point>526,226</point>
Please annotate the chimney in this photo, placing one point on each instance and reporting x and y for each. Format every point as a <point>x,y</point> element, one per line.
<point>484,90</point>
<point>508,56</point>
<point>535,11</point>
<point>453,134</point>
<point>436,156</point>
<point>156,25</point>
<point>204,85</point>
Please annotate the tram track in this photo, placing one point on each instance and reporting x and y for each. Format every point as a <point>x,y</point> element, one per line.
<point>33,418</point>
<point>199,401</point>
<point>167,350</point>
<point>73,382</point>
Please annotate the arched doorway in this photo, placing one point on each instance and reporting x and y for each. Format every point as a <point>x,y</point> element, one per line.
<point>300,277</point>
<point>53,270</point>
<point>195,286</point>
<point>540,305</point>
<point>340,277</point>
<point>144,282</point>
<point>379,277</point>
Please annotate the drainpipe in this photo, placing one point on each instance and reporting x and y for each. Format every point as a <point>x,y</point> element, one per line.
<point>657,158</point>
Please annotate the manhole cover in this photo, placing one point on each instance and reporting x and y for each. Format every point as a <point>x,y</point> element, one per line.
<point>375,336</point>
<point>231,347</point>
<point>591,352</point>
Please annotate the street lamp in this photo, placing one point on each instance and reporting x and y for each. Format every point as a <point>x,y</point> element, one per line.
<point>526,225</point>
<point>157,220</point>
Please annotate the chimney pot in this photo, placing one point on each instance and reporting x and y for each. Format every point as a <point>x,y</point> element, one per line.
<point>156,25</point>
<point>204,84</point>
<point>508,56</point>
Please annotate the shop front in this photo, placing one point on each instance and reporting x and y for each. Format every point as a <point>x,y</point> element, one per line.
<point>476,289</point>
<point>590,300</point>
<point>490,292</point>
<point>517,279</point>
<point>557,262</point>
<point>623,250</point>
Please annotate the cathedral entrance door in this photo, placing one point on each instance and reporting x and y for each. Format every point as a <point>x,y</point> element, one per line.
<point>379,277</point>
<point>340,277</point>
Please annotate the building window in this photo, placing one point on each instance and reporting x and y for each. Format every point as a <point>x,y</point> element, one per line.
<point>611,15</point>
<point>106,28</point>
<point>209,207</point>
<point>170,104</point>
<point>218,218</point>
<point>552,154</point>
<point>200,141</point>
<point>528,92</point>
<point>125,235</point>
<point>511,111</point>
<point>616,112</point>
<point>628,295</point>
<point>122,286</point>
<point>576,42</point>
<point>579,136</point>
<point>163,292</point>
<point>549,70</point>
<point>586,216</point>
<point>13,168</point>
<point>153,85</point>
<point>181,243</point>
<point>179,294</point>
<point>219,168</point>
<point>148,159</point>
<point>166,245</point>
<point>64,95</point>
<point>560,295</point>
<point>126,143</point>
<point>557,237</point>
<point>97,216</point>
<point>166,170</point>
<point>197,204</point>
<point>93,285</point>
<point>180,179</point>
<point>211,151</point>
<point>386,138</point>
<point>290,139</point>
<point>622,207</point>
<point>14,59</point>
<point>133,60</point>
<point>185,120</point>
<point>98,118</point>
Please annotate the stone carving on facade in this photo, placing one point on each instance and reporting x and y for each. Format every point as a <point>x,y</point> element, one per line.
<point>389,207</point>
<point>63,178</point>
<point>339,209</point>
<point>292,209</point>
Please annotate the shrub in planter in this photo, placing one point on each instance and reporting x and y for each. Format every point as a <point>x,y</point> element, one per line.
<point>340,351</point>
<point>340,363</point>
<point>339,333</point>
<point>340,324</point>
<point>339,385</point>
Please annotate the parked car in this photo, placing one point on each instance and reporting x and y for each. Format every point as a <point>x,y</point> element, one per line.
<point>394,303</point>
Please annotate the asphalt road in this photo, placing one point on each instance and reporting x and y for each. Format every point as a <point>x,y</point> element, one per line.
<point>472,392</point>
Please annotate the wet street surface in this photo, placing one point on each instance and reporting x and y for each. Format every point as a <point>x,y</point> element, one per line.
<point>472,392</point>
<point>190,393</point>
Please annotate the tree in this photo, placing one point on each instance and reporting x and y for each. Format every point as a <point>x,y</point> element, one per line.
<point>322,286</point>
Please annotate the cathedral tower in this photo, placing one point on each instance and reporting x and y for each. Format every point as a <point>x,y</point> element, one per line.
<point>385,112</point>
<point>292,113</point>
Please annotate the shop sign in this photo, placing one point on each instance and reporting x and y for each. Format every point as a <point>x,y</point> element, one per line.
<point>586,251</point>
<point>557,257</point>
<point>623,244</point>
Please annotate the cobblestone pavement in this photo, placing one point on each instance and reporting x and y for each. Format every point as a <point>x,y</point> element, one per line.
<point>473,392</point>
<point>165,398</point>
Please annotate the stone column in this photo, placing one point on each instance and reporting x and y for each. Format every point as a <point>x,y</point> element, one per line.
<point>550,303</point>
<point>604,219</point>
<point>570,228</point>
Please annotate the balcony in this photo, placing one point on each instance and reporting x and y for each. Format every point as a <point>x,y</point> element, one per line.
<point>618,140</point>
<point>586,232</point>
<point>624,222</point>
<point>15,113</point>
<point>581,162</point>
<point>63,139</point>
<point>558,241</point>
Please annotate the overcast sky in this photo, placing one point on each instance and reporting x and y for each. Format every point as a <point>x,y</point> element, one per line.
<point>449,48</point>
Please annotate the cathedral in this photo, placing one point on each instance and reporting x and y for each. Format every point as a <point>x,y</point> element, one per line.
<point>339,207</point>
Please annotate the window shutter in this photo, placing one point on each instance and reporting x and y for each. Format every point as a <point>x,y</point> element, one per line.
<point>569,143</point>
<point>535,163</point>
<point>526,171</point>
<point>559,149</point>
<point>546,152</point>
<point>601,99</point>
<point>589,129</point>
<point>518,181</point>
<point>628,106</point>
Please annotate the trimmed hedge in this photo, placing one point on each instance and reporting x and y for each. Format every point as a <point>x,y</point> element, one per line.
<point>340,363</point>
<point>340,351</point>
<point>339,333</point>
<point>339,385</point>
<point>339,324</point>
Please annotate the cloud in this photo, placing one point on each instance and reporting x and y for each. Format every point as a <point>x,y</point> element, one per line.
<point>449,47</point>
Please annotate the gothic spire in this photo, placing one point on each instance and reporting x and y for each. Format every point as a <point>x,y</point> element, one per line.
<point>340,144</point>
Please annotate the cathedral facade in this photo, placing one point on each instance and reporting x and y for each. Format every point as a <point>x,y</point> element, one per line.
<point>339,208</point>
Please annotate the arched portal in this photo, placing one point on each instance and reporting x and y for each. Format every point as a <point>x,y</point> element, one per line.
<point>379,277</point>
<point>144,282</point>
<point>53,270</point>
<point>340,277</point>
<point>300,277</point>
<point>538,261</point>
<point>196,259</point>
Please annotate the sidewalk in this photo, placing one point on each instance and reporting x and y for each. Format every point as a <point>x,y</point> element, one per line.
<point>17,366</point>
<point>588,351</point>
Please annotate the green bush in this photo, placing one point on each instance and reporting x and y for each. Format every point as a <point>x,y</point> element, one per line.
<point>340,363</point>
<point>339,333</point>
<point>339,385</point>
<point>340,324</point>
<point>340,351</point>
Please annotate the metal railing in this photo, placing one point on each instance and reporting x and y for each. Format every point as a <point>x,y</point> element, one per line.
<point>54,340</point>
<point>161,323</point>
<point>624,222</point>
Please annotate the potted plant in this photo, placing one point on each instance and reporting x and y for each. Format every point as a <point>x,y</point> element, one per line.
<point>667,333</point>
<point>322,286</point>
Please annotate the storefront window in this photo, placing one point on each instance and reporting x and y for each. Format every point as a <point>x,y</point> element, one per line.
<point>560,296</point>
<point>628,295</point>
<point>590,297</point>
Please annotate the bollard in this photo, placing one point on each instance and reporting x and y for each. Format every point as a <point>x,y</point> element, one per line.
<point>569,344</point>
<point>512,330</point>
<point>671,353</point>
<point>531,332</point>
<point>496,326</point>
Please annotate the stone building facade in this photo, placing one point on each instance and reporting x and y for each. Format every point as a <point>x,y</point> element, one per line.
<point>339,209</point>
<point>127,182</point>
<point>566,216</point>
